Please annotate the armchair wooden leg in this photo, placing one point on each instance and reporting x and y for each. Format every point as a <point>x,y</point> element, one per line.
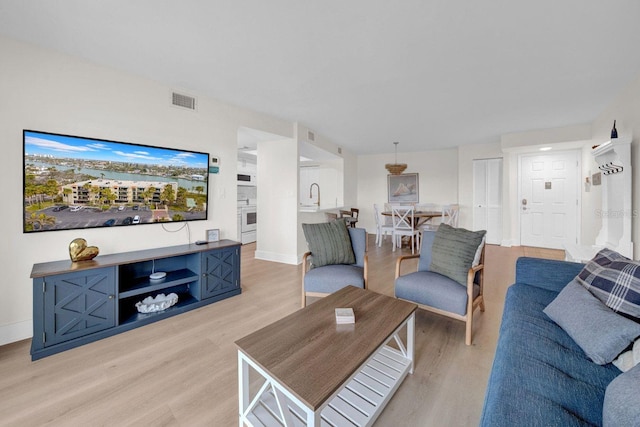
<point>304,300</point>
<point>467,338</point>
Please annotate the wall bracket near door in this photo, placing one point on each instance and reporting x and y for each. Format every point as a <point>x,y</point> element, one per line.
<point>610,168</point>
<point>614,160</point>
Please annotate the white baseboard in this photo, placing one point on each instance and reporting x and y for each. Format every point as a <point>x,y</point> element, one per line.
<point>508,243</point>
<point>16,332</point>
<point>276,257</point>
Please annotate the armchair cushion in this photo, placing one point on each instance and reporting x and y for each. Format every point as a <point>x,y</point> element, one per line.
<point>453,251</point>
<point>329,243</point>
<point>434,290</point>
<point>332,278</point>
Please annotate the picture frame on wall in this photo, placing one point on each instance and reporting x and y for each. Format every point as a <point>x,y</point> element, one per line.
<point>403,188</point>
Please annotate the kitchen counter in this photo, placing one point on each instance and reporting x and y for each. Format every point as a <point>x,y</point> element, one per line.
<point>316,208</point>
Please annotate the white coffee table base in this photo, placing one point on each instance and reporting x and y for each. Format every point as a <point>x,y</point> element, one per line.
<point>359,401</point>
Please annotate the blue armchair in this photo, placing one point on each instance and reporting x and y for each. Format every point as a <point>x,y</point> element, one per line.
<point>440,294</point>
<point>322,281</point>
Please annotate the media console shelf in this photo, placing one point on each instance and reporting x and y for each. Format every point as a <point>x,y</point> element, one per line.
<point>75,303</point>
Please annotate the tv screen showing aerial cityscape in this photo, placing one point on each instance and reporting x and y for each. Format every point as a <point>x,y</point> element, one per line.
<point>73,182</point>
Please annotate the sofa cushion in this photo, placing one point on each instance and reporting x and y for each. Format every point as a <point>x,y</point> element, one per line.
<point>453,251</point>
<point>540,376</point>
<point>329,243</point>
<point>598,330</point>
<point>550,274</point>
<point>622,400</point>
<point>614,280</point>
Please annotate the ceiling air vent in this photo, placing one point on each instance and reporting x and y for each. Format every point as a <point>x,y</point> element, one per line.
<point>183,101</point>
<point>311,136</point>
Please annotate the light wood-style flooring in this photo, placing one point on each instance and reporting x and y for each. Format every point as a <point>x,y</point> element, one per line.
<point>182,371</point>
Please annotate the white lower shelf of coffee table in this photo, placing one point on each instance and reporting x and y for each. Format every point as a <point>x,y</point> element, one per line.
<point>358,403</point>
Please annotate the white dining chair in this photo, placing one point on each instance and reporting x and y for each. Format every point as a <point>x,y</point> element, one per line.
<point>450,214</point>
<point>430,224</point>
<point>384,225</point>
<point>403,225</point>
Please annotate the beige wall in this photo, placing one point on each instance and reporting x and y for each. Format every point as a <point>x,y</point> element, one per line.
<point>277,200</point>
<point>347,178</point>
<point>625,109</point>
<point>47,91</point>
<point>438,179</point>
<point>546,136</point>
<point>447,175</point>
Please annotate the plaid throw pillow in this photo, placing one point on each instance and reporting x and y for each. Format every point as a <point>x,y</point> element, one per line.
<point>614,280</point>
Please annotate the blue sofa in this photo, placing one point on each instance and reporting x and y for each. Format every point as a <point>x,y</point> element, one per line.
<point>540,376</point>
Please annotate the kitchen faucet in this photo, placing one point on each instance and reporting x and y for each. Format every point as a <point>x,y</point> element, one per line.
<point>311,192</point>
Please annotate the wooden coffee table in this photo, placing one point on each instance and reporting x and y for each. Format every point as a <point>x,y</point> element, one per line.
<point>316,372</point>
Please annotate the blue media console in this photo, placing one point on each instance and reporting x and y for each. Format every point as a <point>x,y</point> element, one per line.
<point>75,303</point>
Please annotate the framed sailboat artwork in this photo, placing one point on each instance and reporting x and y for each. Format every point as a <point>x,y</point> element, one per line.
<point>403,188</point>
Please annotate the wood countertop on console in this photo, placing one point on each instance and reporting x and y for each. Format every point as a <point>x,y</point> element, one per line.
<point>58,267</point>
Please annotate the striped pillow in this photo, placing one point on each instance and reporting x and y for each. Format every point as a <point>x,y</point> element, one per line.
<point>614,280</point>
<point>329,243</point>
<point>453,251</point>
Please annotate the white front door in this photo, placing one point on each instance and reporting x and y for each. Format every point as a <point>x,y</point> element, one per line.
<point>549,201</point>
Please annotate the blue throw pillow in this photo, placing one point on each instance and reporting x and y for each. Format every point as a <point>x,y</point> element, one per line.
<point>601,333</point>
<point>622,400</point>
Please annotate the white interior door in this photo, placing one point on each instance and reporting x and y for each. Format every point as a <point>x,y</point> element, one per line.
<point>549,199</point>
<point>487,198</point>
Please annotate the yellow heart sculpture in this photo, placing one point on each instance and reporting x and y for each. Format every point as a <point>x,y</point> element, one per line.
<point>79,251</point>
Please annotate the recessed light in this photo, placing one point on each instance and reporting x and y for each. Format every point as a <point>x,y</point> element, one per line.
<point>545,149</point>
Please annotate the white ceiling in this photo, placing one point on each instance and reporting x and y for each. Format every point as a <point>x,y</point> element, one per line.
<point>364,73</point>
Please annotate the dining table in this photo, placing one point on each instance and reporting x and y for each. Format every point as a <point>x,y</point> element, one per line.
<point>419,217</point>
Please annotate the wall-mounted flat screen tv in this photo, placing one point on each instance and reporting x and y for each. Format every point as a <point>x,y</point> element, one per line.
<point>72,182</point>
